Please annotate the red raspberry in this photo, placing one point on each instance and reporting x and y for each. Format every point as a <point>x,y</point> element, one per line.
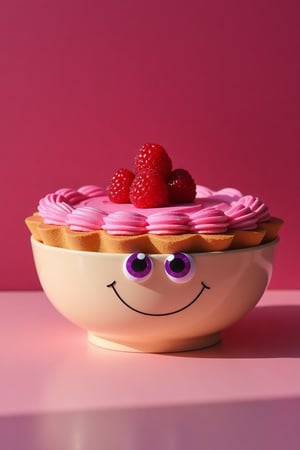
<point>182,187</point>
<point>148,190</point>
<point>118,189</point>
<point>153,156</point>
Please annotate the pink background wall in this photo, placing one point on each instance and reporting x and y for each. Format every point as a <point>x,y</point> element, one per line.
<point>84,83</point>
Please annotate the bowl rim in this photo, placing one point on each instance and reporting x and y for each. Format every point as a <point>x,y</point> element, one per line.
<point>35,242</point>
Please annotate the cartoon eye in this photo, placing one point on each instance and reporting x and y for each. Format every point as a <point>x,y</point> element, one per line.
<point>137,267</point>
<point>179,267</point>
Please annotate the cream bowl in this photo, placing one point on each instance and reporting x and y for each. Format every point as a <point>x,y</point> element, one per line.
<point>154,303</point>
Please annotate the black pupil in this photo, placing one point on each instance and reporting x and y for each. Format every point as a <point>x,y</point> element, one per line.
<point>177,265</point>
<point>139,265</point>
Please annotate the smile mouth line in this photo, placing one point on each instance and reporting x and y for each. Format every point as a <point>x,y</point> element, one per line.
<point>112,285</point>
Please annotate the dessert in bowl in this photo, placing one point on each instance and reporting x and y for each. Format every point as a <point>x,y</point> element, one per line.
<point>143,267</point>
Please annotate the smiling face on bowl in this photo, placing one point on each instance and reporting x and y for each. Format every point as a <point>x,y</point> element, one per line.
<point>140,297</point>
<point>159,278</point>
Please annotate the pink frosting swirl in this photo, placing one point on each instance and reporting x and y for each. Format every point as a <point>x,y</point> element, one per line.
<point>167,222</point>
<point>91,191</point>
<point>209,221</point>
<point>255,204</point>
<point>227,195</point>
<point>203,191</point>
<point>241,217</point>
<point>124,223</point>
<point>54,209</point>
<point>85,218</point>
<point>71,196</point>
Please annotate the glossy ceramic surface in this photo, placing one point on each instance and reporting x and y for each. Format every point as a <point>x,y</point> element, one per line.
<point>157,314</point>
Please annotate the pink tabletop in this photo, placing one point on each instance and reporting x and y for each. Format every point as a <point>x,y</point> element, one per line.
<point>57,391</point>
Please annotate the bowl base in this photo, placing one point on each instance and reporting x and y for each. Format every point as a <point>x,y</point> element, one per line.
<point>182,345</point>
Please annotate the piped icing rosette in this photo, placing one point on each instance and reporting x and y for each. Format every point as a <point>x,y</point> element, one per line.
<point>124,223</point>
<point>256,205</point>
<point>71,196</point>
<point>241,217</point>
<point>203,191</point>
<point>208,221</point>
<point>243,222</point>
<point>226,195</point>
<point>169,222</point>
<point>92,191</point>
<point>54,209</point>
<point>85,218</point>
